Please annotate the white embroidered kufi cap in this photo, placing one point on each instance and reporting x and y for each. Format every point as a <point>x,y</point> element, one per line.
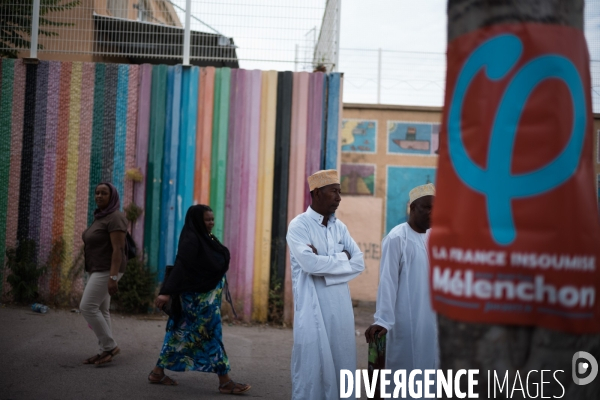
<point>323,178</point>
<point>421,191</point>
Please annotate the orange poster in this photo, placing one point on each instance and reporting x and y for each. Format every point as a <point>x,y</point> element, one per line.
<point>516,237</point>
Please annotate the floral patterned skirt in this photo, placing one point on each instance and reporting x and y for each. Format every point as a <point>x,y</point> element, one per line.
<point>196,344</point>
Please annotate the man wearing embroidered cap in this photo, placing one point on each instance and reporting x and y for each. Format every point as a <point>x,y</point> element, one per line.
<point>324,259</point>
<point>403,305</point>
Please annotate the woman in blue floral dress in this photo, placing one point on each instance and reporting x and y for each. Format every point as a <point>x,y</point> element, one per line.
<point>193,341</point>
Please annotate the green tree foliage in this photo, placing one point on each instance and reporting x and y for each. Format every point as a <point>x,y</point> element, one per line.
<point>136,288</point>
<point>24,271</point>
<point>15,22</point>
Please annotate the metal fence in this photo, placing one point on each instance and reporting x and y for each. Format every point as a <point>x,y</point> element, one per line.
<point>226,31</point>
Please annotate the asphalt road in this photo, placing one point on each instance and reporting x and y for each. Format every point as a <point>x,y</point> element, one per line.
<point>42,354</point>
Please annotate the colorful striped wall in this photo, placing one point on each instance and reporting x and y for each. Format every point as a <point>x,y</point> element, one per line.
<point>243,141</point>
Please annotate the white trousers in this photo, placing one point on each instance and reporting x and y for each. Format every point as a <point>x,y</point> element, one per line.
<point>95,307</point>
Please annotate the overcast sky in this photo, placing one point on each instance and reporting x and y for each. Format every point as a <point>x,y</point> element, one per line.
<point>270,34</point>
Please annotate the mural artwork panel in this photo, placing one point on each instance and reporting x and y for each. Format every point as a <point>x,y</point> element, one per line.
<point>413,138</point>
<point>359,136</point>
<point>358,179</point>
<point>400,181</point>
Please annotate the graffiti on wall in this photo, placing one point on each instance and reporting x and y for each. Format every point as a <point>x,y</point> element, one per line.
<point>358,179</point>
<point>413,138</point>
<point>371,251</point>
<point>400,181</point>
<point>359,136</point>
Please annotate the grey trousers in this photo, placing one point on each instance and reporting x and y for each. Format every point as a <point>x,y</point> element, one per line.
<point>95,305</point>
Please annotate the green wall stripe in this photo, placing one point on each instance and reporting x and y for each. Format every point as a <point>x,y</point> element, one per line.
<point>218,170</point>
<point>158,104</point>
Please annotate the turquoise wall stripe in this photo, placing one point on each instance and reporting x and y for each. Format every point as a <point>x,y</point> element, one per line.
<point>121,131</point>
<point>187,146</point>
<point>169,183</point>
<point>5,140</point>
<point>333,121</point>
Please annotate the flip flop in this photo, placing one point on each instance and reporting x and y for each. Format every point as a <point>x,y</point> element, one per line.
<point>108,357</point>
<point>164,380</point>
<point>222,387</point>
<point>92,359</point>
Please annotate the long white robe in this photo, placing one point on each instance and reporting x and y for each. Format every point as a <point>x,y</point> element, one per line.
<point>324,340</point>
<point>404,304</point>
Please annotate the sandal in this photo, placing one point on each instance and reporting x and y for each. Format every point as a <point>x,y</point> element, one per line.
<point>244,388</point>
<point>92,359</point>
<point>107,356</point>
<point>164,379</point>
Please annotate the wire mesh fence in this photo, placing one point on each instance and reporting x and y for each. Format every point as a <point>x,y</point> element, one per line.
<point>393,77</point>
<point>225,31</point>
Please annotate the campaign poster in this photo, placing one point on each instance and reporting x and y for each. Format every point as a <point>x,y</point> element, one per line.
<point>515,233</point>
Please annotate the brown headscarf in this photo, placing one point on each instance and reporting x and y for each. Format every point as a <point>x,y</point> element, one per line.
<point>114,204</point>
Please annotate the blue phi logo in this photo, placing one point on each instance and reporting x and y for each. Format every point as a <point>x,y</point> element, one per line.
<point>497,57</point>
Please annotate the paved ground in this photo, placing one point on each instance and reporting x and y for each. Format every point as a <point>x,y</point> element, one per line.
<point>41,357</point>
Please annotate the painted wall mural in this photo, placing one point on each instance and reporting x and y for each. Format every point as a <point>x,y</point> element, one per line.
<point>359,136</point>
<point>196,134</point>
<point>412,138</point>
<point>358,179</point>
<point>401,180</point>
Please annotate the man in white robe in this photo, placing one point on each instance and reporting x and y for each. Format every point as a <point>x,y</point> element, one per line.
<point>324,259</point>
<point>403,308</point>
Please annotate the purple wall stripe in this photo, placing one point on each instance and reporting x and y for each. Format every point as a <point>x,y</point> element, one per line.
<point>141,151</point>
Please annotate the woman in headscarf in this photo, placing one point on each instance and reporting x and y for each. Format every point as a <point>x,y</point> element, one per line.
<point>105,262</point>
<point>194,338</point>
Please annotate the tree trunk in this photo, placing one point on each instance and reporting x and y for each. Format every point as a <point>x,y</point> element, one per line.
<point>503,348</point>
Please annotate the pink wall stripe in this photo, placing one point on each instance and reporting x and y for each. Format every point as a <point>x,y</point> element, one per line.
<point>249,181</point>
<point>132,108</point>
<point>16,144</point>
<point>234,226</point>
<point>141,157</point>
<point>297,184</point>
<point>315,123</point>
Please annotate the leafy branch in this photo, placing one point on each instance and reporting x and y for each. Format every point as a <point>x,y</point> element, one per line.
<point>16,20</point>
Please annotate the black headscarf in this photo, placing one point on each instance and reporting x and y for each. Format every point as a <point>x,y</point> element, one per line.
<point>201,260</point>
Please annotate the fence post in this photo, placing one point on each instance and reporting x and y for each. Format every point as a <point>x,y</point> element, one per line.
<point>35,27</point>
<point>296,59</point>
<point>186,34</point>
<point>338,18</point>
<point>379,76</point>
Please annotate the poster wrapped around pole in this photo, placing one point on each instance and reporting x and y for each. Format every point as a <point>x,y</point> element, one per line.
<point>516,237</point>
